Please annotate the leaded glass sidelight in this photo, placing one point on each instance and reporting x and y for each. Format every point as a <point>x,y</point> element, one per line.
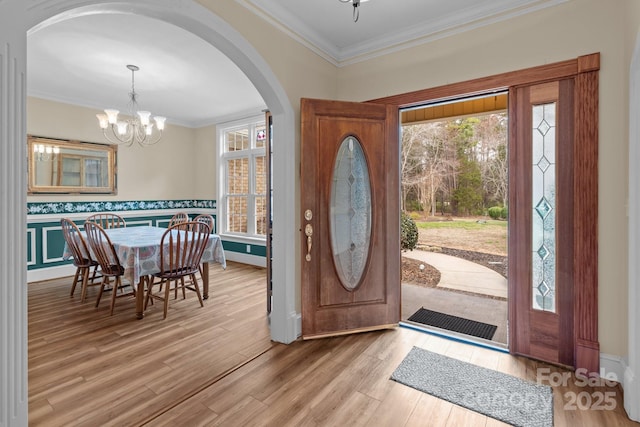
<point>350,213</point>
<point>544,207</point>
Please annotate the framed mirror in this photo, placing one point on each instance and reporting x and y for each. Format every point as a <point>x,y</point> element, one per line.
<point>64,166</point>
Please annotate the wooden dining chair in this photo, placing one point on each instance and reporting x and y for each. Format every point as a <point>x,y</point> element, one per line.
<point>81,258</point>
<point>181,252</point>
<point>107,220</point>
<point>178,218</point>
<point>107,257</point>
<point>207,219</point>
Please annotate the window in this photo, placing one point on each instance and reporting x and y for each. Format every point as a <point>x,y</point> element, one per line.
<point>243,196</point>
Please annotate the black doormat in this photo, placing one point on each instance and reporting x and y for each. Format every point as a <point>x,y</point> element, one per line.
<point>454,323</point>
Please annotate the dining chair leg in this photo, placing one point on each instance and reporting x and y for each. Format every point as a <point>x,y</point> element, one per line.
<point>105,280</point>
<point>150,284</point>
<point>85,283</point>
<point>175,290</point>
<point>197,289</point>
<point>114,293</point>
<point>75,281</point>
<point>167,289</point>
<point>95,273</point>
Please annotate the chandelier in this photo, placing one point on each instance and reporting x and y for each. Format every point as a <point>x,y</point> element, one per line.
<point>137,127</point>
<point>356,11</point>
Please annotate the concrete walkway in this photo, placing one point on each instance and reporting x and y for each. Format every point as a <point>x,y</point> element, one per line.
<point>460,274</point>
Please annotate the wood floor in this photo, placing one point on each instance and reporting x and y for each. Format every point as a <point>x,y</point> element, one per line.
<point>89,368</point>
<point>216,366</point>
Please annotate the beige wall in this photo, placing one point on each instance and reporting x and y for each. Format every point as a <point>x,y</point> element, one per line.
<point>206,153</point>
<point>164,171</point>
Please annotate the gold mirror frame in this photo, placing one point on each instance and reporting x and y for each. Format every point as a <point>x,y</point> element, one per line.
<point>70,167</point>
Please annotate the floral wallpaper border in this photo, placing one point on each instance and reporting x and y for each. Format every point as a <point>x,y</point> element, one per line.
<point>76,207</point>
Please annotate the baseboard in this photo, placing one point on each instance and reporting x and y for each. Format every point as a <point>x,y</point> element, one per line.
<point>258,261</point>
<point>631,387</point>
<point>612,367</point>
<point>298,326</point>
<point>51,273</point>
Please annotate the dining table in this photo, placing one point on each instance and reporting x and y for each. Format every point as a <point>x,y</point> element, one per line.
<point>138,250</point>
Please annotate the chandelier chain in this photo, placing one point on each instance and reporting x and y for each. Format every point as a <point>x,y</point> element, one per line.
<point>356,11</point>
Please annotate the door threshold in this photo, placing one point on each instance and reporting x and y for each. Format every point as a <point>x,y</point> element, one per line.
<point>450,335</point>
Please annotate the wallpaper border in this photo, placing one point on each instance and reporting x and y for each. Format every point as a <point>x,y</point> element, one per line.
<point>43,208</point>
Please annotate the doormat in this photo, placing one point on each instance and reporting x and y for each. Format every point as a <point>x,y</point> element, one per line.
<point>453,323</point>
<point>494,394</point>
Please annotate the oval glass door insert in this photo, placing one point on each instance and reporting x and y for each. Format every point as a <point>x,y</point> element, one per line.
<point>350,213</point>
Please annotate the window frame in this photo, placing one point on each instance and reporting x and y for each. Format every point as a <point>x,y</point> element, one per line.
<point>252,153</point>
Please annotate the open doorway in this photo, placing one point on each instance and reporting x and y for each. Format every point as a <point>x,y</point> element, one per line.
<point>454,183</point>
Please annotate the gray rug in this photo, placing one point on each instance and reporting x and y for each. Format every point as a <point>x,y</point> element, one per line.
<point>491,393</point>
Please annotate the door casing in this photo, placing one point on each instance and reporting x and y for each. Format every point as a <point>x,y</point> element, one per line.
<point>584,70</point>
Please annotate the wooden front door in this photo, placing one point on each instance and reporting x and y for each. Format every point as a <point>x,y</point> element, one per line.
<point>541,211</point>
<point>350,226</point>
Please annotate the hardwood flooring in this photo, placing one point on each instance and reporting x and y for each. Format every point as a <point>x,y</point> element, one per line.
<point>89,368</point>
<point>215,366</point>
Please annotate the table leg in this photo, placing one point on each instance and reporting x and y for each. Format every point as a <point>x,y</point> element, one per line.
<point>140,297</point>
<point>205,280</point>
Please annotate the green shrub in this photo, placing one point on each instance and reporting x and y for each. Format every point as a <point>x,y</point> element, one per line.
<point>495,212</point>
<point>504,213</point>
<point>414,205</point>
<point>498,212</point>
<point>408,233</point>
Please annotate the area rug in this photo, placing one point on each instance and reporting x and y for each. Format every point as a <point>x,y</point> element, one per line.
<point>491,393</point>
<point>454,323</point>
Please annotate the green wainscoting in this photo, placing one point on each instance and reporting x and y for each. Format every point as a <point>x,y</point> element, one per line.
<point>45,243</point>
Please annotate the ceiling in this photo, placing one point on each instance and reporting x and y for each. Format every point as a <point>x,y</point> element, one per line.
<point>83,60</point>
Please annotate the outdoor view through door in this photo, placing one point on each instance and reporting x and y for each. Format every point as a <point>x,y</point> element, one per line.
<point>454,188</point>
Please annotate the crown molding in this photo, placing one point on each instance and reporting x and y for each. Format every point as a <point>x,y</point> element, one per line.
<point>422,33</point>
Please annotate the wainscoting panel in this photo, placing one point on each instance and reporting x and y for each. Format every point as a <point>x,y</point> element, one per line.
<point>45,242</point>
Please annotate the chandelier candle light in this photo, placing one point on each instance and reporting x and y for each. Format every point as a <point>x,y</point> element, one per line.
<point>45,153</point>
<point>137,127</point>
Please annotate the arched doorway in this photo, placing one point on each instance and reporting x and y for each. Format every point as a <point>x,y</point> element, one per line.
<point>193,18</point>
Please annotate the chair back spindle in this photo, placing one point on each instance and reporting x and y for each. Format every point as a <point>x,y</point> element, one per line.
<point>207,219</point>
<point>178,218</point>
<point>107,220</point>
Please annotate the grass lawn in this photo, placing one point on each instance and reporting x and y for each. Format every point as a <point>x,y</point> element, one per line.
<point>487,235</point>
<point>462,223</point>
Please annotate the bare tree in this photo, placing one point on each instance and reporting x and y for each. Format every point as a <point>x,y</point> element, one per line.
<point>456,159</point>
<point>427,161</point>
<point>411,161</point>
<point>491,132</point>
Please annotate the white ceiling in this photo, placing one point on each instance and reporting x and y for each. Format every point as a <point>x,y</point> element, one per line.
<point>83,60</point>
